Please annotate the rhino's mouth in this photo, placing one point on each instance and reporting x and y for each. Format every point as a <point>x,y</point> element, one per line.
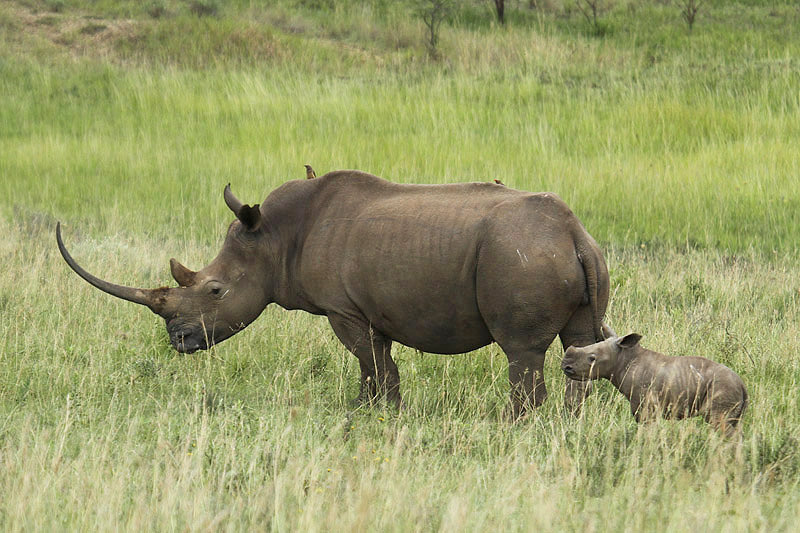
<point>188,346</point>
<point>570,372</point>
<point>187,341</point>
<point>186,338</point>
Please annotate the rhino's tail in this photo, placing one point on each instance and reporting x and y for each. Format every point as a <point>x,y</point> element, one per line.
<point>593,267</point>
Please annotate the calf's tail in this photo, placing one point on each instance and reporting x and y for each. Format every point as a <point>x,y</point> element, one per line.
<point>742,405</point>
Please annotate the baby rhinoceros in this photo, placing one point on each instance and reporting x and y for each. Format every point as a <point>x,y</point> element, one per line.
<point>658,384</point>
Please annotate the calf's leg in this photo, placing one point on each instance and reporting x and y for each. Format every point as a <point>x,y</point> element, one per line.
<point>725,419</point>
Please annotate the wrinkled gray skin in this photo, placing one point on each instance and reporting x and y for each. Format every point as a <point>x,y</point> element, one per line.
<point>661,385</point>
<point>441,268</point>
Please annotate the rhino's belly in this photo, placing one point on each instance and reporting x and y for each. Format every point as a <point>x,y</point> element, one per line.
<point>435,330</point>
<point>459,341</point>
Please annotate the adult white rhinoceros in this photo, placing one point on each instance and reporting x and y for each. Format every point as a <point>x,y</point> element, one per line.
<point>441,268</point>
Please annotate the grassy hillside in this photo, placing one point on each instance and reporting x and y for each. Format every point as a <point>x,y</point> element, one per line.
<point>651,134</point>
<point>125,120</point>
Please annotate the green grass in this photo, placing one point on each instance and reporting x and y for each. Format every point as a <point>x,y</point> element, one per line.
<point>685,165</point>
<point>677,152</point>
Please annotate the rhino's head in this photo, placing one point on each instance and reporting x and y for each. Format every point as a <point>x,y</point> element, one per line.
<point>209,305</point>
<point>597,360</point>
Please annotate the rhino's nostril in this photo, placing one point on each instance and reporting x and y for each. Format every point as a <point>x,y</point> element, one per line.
<point>180,337</point>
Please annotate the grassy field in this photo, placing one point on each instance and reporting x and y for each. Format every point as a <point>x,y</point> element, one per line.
<point>678,151</point>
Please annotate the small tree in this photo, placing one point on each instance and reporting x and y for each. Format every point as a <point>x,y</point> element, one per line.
<point>689,9</point>
<point>203,8</point>
<point>590,10</point>
<point>433,13</point>
<point>500,7</point>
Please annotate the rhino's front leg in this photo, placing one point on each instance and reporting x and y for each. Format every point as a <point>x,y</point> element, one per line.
<point>373,349</point>
<point>368,391</point>
<point>641,411</point>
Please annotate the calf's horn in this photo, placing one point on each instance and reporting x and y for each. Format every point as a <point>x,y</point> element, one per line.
<point>152,298</point>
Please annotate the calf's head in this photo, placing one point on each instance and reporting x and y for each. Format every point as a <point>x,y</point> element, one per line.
<point>597,360</point>
<point>213,303</point>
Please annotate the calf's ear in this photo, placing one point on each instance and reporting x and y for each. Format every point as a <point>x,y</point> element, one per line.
<point>629,341</point>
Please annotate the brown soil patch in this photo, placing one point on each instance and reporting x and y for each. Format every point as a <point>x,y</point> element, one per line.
<point>76,34</point>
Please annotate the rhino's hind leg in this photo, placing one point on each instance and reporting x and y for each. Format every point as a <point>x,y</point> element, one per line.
<point>726,419</point>
<point>379,373</point>
<point>525,355</point>
<point>526,378</point>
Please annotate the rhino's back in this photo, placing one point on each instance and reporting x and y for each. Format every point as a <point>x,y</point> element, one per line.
<point>359,219</point>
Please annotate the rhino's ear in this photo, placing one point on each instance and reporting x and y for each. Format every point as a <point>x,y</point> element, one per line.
<point>629,341</point>
<point>249,216</point>
<point>182,275</point>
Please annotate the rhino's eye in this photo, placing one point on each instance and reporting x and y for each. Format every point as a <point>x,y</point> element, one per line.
<point>592,358</point>
<point>215,290</point>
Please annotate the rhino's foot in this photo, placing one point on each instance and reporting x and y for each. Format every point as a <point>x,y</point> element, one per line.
<point>363,400</point>
<point>518,408</point>
<point>512,414</point>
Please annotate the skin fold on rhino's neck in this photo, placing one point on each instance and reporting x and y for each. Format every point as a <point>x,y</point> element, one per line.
<point>279,255</point>
<point>285,290</point>
<point>627,371</point>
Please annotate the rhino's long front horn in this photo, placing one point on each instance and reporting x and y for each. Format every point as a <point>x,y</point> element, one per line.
<point>146,297</point>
